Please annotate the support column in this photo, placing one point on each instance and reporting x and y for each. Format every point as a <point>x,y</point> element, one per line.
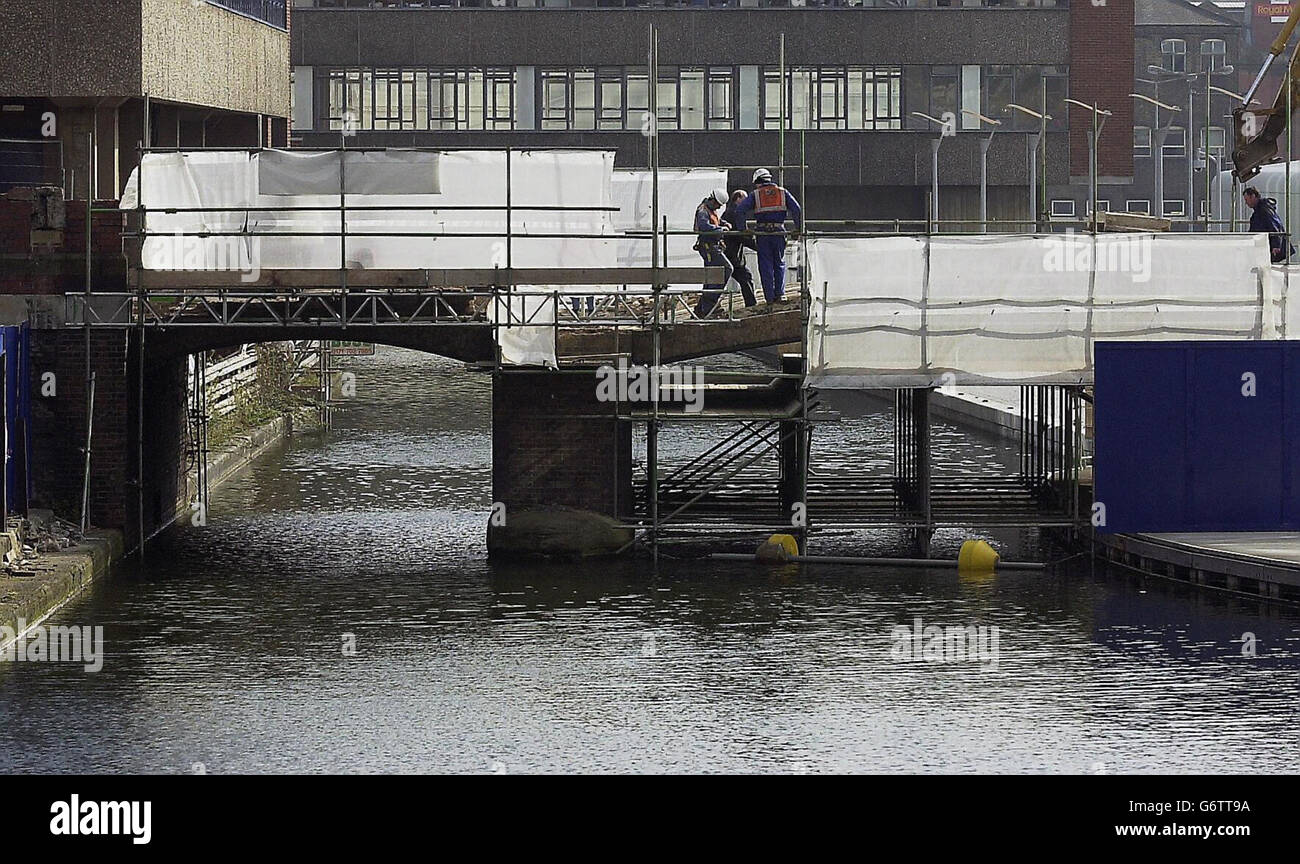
<point>920,420</point>
<point>561,465</point>
<point>793,448</point>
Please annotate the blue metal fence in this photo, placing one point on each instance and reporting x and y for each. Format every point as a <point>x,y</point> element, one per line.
<point>1198,436</point>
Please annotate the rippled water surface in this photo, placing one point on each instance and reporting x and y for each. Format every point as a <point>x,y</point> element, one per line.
<point>226,648</point>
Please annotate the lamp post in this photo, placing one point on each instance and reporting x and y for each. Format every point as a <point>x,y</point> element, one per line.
<point>1231,206</point>
<point>934,166</point>
<point>984,166</point>
<point>1158,135</point>
<point>1035,139</point>
<point>1191,78</point>
<point>1097,124</point>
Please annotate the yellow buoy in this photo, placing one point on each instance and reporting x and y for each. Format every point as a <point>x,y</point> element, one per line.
<point>778,547</point>
<point>976,556</point>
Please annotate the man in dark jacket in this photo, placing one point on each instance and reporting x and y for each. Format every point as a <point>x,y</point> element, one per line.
<point>1264,218</point>
<point>734,246</point>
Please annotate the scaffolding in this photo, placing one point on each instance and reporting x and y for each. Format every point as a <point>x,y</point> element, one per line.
<point>756,479</point>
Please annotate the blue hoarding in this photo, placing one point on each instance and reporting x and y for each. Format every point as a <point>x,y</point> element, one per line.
<point>1197,436</point>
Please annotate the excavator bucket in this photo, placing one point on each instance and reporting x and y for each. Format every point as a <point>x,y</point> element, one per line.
<point>1257,131</point>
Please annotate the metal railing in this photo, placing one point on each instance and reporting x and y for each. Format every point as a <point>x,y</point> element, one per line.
<point>271,12</point>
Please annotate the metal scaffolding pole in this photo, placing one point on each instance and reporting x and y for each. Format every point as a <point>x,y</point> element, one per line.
<point>652,430</point>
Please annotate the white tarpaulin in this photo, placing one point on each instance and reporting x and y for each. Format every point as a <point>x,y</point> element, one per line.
<point>680,193</point>
<point>916,311</point>
<point>448,187</point>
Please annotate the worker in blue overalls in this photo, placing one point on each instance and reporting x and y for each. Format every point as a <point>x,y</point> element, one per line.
<point>770,205</point>
<point>710,227</point>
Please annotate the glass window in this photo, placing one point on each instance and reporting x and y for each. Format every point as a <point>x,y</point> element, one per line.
<point>943,91</point>
<point>584,99</point>
<point>830,101</point>
<point>999,92</point>
<point>1218,139</point>
<point>1138,205</point>
<point>721,97</point>
<point>1213,54</point>
<point>1174,207</point>
<point>1175,143</point>
<point>666,94</point>
<point>1173,53</point>
<point>1062,208</point>
<point>638,100</point>
<point>692,99</point>
<point>499,112</point>
<point>555,99</point>
<point>1141,140</point>
<point>611,99</point>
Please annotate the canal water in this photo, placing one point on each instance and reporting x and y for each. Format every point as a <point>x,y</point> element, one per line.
<point>228,650</point>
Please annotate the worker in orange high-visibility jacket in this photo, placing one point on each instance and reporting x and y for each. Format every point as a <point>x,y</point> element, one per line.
<point>771,206</point>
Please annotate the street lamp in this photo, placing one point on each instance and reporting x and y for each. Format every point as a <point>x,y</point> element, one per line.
<point>1190,79</point>
<point>1158,135</point>
<point>984,167</point>
<point>1042,117</point>
<point>934,165</point>
<point>1097,124</point>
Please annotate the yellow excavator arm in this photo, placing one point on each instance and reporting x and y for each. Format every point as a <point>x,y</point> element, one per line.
<point>1256,130</point>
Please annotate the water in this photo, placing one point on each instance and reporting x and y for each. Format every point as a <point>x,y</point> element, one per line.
<point>227,648</point>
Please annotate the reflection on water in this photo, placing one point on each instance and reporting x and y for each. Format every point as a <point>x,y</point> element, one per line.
<point>226,648</point>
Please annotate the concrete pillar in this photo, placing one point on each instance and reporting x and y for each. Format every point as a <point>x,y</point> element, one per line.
<point>554,444</point>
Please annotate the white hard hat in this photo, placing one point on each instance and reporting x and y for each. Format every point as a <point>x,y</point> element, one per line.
<point>762,175</point>
<point>719,195</point>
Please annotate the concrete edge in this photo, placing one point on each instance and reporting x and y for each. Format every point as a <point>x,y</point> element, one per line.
<point>1258,578</point>
<point>60,576</point>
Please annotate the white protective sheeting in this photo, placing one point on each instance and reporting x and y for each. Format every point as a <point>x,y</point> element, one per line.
<point>917,312</point>
<point>256,187</point>
<point>680,193</point>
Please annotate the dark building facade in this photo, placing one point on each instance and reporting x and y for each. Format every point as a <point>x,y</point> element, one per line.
<point>862,83</point>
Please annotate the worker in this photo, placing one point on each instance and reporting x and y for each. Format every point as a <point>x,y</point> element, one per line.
<point>710,227</point>
<point>1264,218</point>
<point>770,205</point>
<point>734,246</point>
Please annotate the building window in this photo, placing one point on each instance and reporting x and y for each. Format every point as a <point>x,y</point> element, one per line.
<point>348,99</point>
<point>944,89</point>
<point>1103,206</point>
<point>1173,54</point>
<point>1175,207</point>
<point>1138,205</point>
<point>1062,208</point>
<point>554,85</point>
<point>420,99</point>
<point>1175,143</point>
<point>1218,139</point>
<point>721,97</point>
<point>1213,54</point>
<point>1141,140</point>
<point>611,98</point>
<point>835,97</point>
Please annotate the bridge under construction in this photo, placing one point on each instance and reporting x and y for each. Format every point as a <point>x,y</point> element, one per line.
<point>542,268</point>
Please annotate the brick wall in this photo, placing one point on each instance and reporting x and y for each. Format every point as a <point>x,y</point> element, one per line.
<point>542,454</point>
<point>59,430</point>
<point>1101,73</point>
<point>59,425</point>
<point>64,269</point>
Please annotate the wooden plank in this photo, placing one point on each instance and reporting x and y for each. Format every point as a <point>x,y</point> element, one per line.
<point>175,280</point>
